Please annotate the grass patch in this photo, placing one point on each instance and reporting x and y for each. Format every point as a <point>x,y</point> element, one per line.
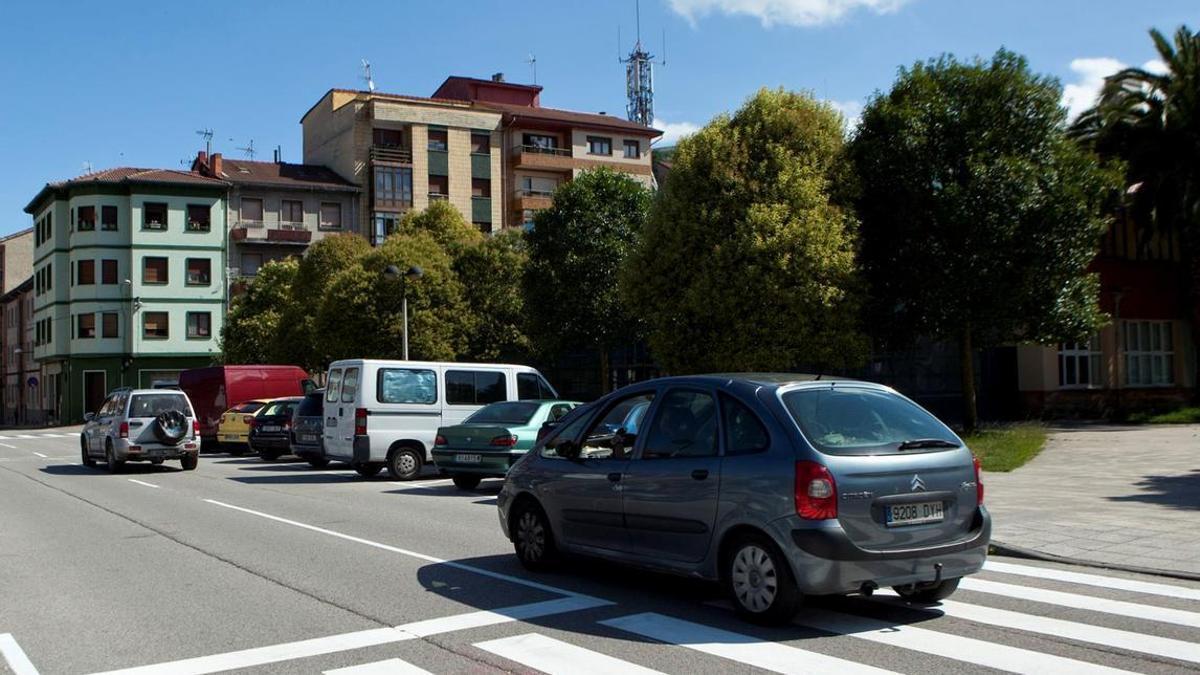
<point>1181,416</point>
<point>1004,448</point>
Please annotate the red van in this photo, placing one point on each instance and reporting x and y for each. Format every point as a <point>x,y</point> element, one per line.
<point>215,390</point>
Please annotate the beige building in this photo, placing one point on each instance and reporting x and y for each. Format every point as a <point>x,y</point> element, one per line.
<point>22,396</point>
<point>16,259</point>
<point>486,146</point>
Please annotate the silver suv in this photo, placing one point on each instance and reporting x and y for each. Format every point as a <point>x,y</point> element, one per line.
<point>779,486</point>
<point>141,425</point>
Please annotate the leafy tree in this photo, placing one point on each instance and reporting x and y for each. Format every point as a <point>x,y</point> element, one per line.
<point>576,248</point>
<point>296,337</point>
<point>748,260</point>
<point>251,327</point>
<point>979,216</point>
<point>445,224</point>
<point>1151,121</point>
<point>491,273</point>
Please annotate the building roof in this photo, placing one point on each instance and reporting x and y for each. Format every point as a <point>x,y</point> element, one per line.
<point>283,174</point>
<point>25,287</point>
<point>403,98</point>
<point>14,235</point>
<point>127,175</point>
<point>570,117</point>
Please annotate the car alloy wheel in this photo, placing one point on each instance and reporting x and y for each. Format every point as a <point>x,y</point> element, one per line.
<point>531,536</point>
<point>755,579</point>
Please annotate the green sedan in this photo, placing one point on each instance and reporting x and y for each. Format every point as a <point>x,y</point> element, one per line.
<point>493,439</point>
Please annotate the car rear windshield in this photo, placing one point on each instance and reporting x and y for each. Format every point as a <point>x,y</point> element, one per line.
<point>312,405</point>
<point>281,408</point>
<point>512,412</point>
<point>854,421</point>
<point>249,407</point>
<point>152,405</point>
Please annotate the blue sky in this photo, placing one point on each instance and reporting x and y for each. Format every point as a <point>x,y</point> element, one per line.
<point>128,83</point>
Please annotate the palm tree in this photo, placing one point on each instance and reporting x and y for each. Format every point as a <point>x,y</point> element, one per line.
<point>1151,121</point>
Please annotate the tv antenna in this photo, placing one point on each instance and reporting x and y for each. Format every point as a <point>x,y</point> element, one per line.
<point>366,76</point>
<point>639,76</point>
<point>207,134</point>
<point>532,61</point>
<point>87,166</point>
<point>249,150</point>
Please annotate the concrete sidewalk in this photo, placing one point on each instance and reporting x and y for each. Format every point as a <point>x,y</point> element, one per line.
<point>1112,495</point>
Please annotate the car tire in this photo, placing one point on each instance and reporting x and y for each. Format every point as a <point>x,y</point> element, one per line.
<point>368,469</point>
<point>533,540</point>
<point>269,455</point>
<point>759,581</point>
<point>87,459</point>
<point>928,594</point>
<point>404,463</point>
<point>465,482</point>
<point>190,461</point>
<point>318,463</point>
<point>110,458</point>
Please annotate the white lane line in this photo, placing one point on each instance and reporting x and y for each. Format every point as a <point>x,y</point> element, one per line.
<point>40,455</point>
<point>1071,630</point>
<point>142,482</point>
<point>14,656</point>
<point>389,667</point>
<point>1088,602</point>
<point>556,657</point>
<point>6,445</point>
<point>23,436</point>
<point>1134,585</point>
<point>968,650</point>
<point>413,554</point>
<point>248,658</point>
<point>734,646</point>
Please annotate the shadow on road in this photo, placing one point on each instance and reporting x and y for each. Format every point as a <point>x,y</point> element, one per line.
<point>132,469</point>
<point>1181,491</point>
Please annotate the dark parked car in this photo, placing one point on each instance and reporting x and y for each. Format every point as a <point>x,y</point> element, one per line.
<point>271,429</point>
<point>308,427</point>
<point>776,485</point>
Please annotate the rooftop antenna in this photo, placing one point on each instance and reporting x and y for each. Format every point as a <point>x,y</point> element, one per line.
<point>532,61</point>
<point>639,77</point>
<point>249,150</point>
<point>367,75</point>
<point>207,134</point>
<point>87,166</point>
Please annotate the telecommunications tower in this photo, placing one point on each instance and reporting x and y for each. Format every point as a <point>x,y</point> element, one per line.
<point>639,78</point>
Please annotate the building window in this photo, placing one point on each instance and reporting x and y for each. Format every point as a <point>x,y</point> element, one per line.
<point>199,271</point>
<point>633,150</point>
<point>527,219</point>
<point>438,140</point>
<point>393,187</point>
<point>481,144</point>
<point>439,187</point>
<point>291,213</point>
<point>199,217</point>
<point>154,216</point>
<point>86,326</point>
<point>250,263</point>
<point>154,270</point>
<point>252,211</point>
<point>599,145</point>
<point>49,283</point>
<point>86,270</point>
<point>154,326</point>
<point>387,138</point>
<point>85,218</point>
<point>385,225</point>
<point>481,187</point>
<point>1079,363</point>
<point>108,271</point>
<point>199,325</point>
<point>542,142</point>
<point>1149,353</point>
<point>109,325</point>
<point>331,216</point>
<point>108,217</point>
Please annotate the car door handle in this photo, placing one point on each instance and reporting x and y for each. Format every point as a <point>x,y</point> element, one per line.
<point>615,477</point>
<point>700,474</point>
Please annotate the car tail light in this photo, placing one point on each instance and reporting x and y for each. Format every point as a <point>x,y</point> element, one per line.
<point>504,441</point>
<point>247,420</point>
<point>195,427</point>
<point>440,440</point>
<point>360,422</point>
<point>250,423</point>
<point>816,492</point>
<point>978,481</point>
<point>124,430</point>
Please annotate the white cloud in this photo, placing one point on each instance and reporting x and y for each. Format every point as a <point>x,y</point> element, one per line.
<point>673,131</point>
<point>851,110</point>
<point>1156,67</point>
<point>786,12</point>
<point>1081,95</point>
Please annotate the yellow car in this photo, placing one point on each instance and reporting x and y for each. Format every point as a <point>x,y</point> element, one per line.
<point>233,430</point>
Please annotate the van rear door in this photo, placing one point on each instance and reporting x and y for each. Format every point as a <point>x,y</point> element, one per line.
<point>338,443</point>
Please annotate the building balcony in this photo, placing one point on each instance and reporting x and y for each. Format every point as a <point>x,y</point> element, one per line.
<point>532,199</point>
<point>546,159</point>
<point>391,154</point>
<point>281,235</point>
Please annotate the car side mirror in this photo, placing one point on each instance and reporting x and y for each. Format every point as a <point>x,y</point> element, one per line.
<point>88,417</point>
<point>568,449</point>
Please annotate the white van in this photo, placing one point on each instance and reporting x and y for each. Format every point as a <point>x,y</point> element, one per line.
<point>386,413</point>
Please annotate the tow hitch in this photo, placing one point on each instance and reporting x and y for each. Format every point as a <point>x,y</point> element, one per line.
<point>924,585</point>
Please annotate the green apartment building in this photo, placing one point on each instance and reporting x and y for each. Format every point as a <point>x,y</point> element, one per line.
<point>129,281</point>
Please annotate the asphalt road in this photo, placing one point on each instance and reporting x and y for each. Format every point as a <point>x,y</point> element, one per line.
<point>274,567</point>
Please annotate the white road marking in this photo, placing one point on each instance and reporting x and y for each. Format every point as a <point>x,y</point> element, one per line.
<point>413,554</point>
<point>556,657</point>
<point>735,646</point>
<point>968,650</point>
<point>1071,630</point>
<point>1088,602</point>
<point>492,617</point>
<point>1116,583</point>
<point>142,482</point>
<point>15,657</point>
<point>40,455</point>
<point>389,667</point>
<point>23,436</point>
<point>6,445</point>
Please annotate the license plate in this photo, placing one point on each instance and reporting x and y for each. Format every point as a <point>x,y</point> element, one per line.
<point>468,459</point>
<point>308,438</point>
<point>231,437</point>
<point>914,514</point>
<point>270,428</point>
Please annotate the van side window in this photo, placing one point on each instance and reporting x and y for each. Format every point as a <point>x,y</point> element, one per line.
<point>406,385</point>
<point>744,432</point>
<point>350,385</point>
<point>527,387</point>
<point>475,387</point>
<point>333,388</point>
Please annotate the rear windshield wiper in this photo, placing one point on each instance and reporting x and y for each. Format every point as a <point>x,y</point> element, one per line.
<point>926,443</point>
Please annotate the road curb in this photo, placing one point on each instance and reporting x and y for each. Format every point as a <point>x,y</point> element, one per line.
<point>1000,548</point>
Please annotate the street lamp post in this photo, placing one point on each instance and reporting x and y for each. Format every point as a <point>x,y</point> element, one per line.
<point>414,272</point>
